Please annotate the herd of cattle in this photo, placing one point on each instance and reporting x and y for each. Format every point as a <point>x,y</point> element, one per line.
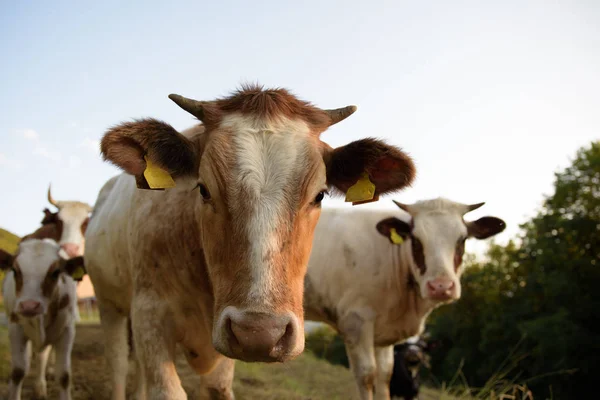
<point>213,242</point>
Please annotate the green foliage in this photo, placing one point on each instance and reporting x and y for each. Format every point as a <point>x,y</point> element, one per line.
<point>540,291</point>
<point>325,343</point>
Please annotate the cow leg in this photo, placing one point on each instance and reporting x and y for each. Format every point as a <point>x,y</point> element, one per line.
<point>40,384</point>
<point>358,338</point>
<point>20,351</point>
<point>218,382</point>
<point>114,326</point>
<point>63,362</point>
<point>384,357</point>
<point>154,339</point>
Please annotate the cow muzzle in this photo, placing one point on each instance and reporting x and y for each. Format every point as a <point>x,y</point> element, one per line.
<point>258,336</point>
<point>30,308</point>
<point>442,289</point>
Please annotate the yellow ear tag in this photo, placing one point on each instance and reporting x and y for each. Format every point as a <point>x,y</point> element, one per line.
<point>78,273</point>
<point>362,190</point>
<point>157,178</point>
<point>396,239</point>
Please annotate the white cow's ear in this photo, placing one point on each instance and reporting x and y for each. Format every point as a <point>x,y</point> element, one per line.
<point>6,260</point>
<point>132,145</point>
<point>485,227</point>
<point>392,227</point>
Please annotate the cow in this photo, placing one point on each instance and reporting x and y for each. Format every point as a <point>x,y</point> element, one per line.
<point>375,278</point>
<point>408,359</point>
<point>39,297</point>
<point>66,226</point>
<point>215,262</point>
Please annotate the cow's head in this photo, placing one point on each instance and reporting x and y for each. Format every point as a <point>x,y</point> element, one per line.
<point>435,243</point>
<point>257,176</point>
<point>36,269</point>
<point>70,223</point>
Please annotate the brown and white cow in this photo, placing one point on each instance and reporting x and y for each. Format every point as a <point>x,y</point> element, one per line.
<point>216,264</point>
<point>377,293</point>
<point>66,226</point>
<point>39,296</point>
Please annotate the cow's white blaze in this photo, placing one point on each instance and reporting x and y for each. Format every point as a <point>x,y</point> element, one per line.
<point>270,158</point>
<point>73,216</point>
<point>34,259</point>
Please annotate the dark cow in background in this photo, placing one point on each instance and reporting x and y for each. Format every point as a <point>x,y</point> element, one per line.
<point>409,357</point>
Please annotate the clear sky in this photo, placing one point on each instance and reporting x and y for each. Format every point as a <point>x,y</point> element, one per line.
<point>490,98</point>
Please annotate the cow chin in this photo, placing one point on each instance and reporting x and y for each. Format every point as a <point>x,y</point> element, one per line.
<point>249,335</point>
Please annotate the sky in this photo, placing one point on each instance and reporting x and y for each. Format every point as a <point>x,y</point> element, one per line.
<point>489,98</point>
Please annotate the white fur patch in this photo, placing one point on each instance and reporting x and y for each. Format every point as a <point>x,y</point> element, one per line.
<point>270,158</point>
<point>73,216</point>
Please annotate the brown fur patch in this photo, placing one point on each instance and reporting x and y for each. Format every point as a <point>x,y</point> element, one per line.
<point>49,283</point>
<point>269,104</point>
<point>65,379</point>
<point>52,230</point>
<point>49,217</point>
<point>13,317</point>
<point>65,300</point>
<point>18,276</point>
<point>17,375</point>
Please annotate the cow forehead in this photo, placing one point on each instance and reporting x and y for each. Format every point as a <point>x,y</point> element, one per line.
<point>266,160</point>
<point>73,212</point>
<point>439,228</point>
<point>36,256</point>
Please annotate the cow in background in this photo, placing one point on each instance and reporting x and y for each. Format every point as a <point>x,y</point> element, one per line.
<point>40,300</point>
<point>375,278</point>
<point>66,226</point>
<point>409,357</point>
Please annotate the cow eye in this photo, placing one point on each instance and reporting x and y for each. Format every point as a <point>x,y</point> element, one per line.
<point>204,191</point>
<point>55,274</point>
<point>319,197</point>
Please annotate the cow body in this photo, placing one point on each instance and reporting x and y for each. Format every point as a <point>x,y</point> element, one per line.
<point>215,265</point>
<point>377,293</point>
<point>40,300</point>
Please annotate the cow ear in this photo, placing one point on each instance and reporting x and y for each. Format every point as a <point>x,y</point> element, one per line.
<point>75,267</point>
<point>138,146</point>
<point>387,167</point>
<point>485,227</point>
<point>393,227</point>
<point>6,260</point>
<point>49,217</point>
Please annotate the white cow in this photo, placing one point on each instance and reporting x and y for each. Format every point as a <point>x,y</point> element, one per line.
<point>377,293</point>
<point>39,296</point>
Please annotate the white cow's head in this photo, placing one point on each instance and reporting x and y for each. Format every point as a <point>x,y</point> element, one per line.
<point>67,226</point>
<point>435,243</point>
<point>36,269</point>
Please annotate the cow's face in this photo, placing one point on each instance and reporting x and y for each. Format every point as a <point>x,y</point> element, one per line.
<point>259,173</point>
<point>71,221</point>
<point>435,243</point>
<point>36,270</point>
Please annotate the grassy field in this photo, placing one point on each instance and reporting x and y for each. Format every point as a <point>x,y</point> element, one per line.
<point>304,378</point>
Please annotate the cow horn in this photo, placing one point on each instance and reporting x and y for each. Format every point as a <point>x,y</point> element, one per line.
<point>472,207</point>
<point>51,200</point>
<point>403,206</point>
<point>194,107</point>
<point>340,114</point>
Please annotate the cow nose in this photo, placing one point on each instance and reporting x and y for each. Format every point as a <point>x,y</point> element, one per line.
<point>71,249</point>
<point>30,308</point>
<point>441,288</point>
<point>257,336</point>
